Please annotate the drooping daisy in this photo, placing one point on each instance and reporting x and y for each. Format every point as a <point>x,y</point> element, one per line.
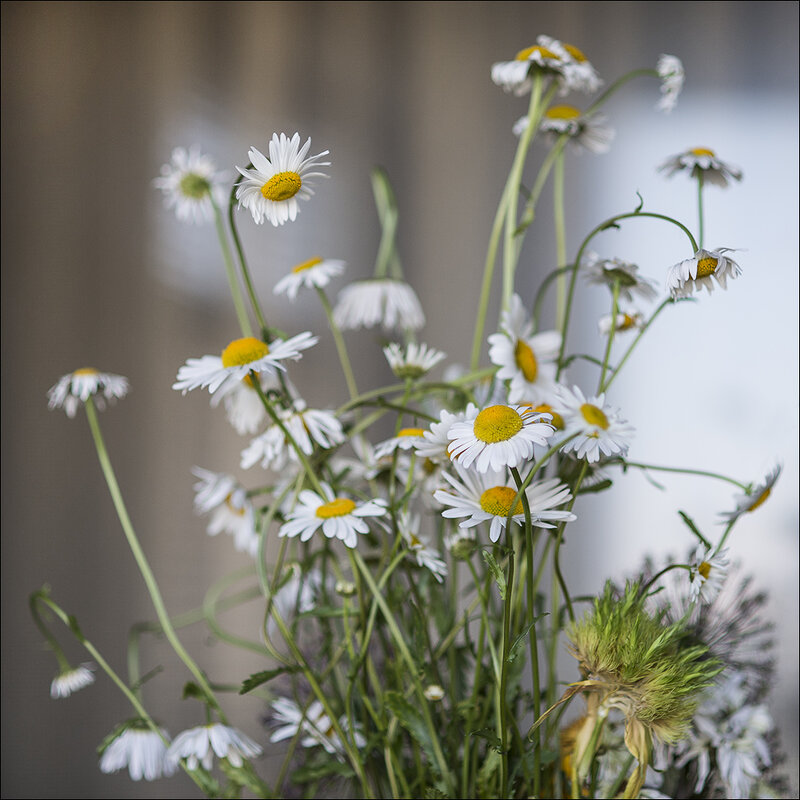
<point>436,444</point>
<point>589,132</point>
<point>231,511</point>
<point>71,680</point>
<point>608,271</point>
<point>600,428</point>
<point>339,517</point>
<point>314,273</point>
<point>670,70</point>
<point>77,387</point>
<point>694,274</point>
<point>703,163</point>
<point>487,497</point>
<point>754,498</point>
<point>380,301</point>
<point>515,76</point>
<point>271,189</point>
<point>199,745</point>
<point>139,748</point>
<point>243,405</point>
<point>708,574</point>
<point>191,185</point>
<point>413,361</point>
<point>624,322</point>
<point>526,359</point>
<point>406,439</point>
<point>498,436</point>
<point>238,360</point>
<point>418,544</point>
<point>579,74</point>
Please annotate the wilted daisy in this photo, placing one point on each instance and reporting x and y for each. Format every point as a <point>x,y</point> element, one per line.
<point>487,497</point>
<point>708,574</point>
<point>191,185</point>
<point>413,361</point>
<point>599,427</point>
<point>339,517</point>
<point>200,745</point>
<point>624,321</point>
<point>427,556</point>
<point>588,132</point>
<point>238,360</point>
<point>694,274</point>
<point>231,511</point>
<point>703,163</point>
<point>515,76</point>
<point>525,358</point>
<point>436,444</point>
<point>271,189</point>
<point>611,271</point>
<point>579,74</point>
<point>670,70</point>
<point>77,387</point>
<point>379,301</point>
<point>751,500</point>
<point>139,748</point>
<point>70,680</point>
<point>314,273</point>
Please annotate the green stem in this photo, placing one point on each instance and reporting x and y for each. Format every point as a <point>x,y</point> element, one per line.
<point>611,332</point>
<point>503,710</point>
<point>700,219</point>
<point>561,236</point>
<point>684,471</point>
<point>341,348</point>
<point>236,292</point>
<point>618,84</point>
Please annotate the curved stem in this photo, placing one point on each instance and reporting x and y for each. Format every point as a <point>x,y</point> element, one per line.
<point>236,292</point>
<point>685,471</point>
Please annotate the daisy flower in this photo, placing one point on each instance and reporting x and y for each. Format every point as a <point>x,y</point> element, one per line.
<point>487,497</point>
<point>199,745</point>
<point>243,405</point>
<point>624,322</point>
<point>754,498</point>
<point>413,361</point>
<point>579,74</point>
<point>608,271</point>
<point>418,544</point>
<point>139,748</point>
<point>707,574</point>
<point>433,692</point>
<point>406,439</point>
<point>271,189</point>
<point>381,301</point>
<point>600,428</point>
<point>191,185</point>
<point>436,444</point>
<point>231,511</point>
<point>670,70</point>
<point>77,387</point>
<point>71,680</point>
<point>314,273</point>
<point>238,360</point>
<point>339,517</point>
<point>526,359</point>
<point>702,163</point>
<point>588,132</point>
<point>693,274</point>
<point>514,76</point>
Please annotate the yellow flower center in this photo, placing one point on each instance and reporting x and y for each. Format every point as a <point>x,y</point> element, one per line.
<point>86,371</point>
<point>706,267</point>
<point>232,508</point>
<point>194,186</point>
<point>544,408</point>
<point>411,432</point>
<point>628,322</point>
<point>248,381</point>
<point>338,507</point>
<point>282,186</point>
<point>759,500</point>
<point>702,151</point>
<point>312,262</point>
<point>498,500</point>
<point>414,541</point>
<point>574,52</point>
<point>243,351</point>
<point>705,570</point>
<point>562,112</point>
<point>526,360</point>
<point>529,52</point>
<point>594,416</point>
<point>497,424</point>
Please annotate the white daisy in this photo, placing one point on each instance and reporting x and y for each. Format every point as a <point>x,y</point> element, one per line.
<point>487,497</point>
<point>579,74</point>
<point>406,439</point>
<point>271,189</point>
<point>608,271</point>
<point>433,692</point>
<point>314,273</point>
<point>624,322</point>
<point>695,273</point>
<point>600,428</point>
<point>588,132</point>
<point>243,405</point>
<point>71,680</point>
<point>670,70</point>
<point>141,750</point>
<point>413,361</point>
<point>703,163</point>
<point>192,185</point>
<point>526,359</point>
<point>199,745</point>
<point>436,444</point>
<point>514,76</point>
<point>427,556</point>
<point>231,511</point>
<point>386,302</point>
<point>77,387</point>
<point>757,495</point>
<point>339,517</point>
<point>238,360</point>
<point>708,574</point>
<point>743,752</point>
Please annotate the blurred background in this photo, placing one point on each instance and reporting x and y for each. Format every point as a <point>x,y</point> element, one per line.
<point>96,272</point>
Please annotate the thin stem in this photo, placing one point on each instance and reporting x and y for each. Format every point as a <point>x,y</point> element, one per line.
<point>503,709</point>
<point>611,332</point>
<point>561,236</point>
<point>684,471</point>
<point>700,219</point>
<point>341,347</point>
<point>230,271</point>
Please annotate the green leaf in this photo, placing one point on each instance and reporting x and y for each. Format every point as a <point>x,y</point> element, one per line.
<point>597,487</point>
<point>497,573</point>
<point>490,735</point>
<point>411,719</point>
<point>513,651</point>
<point>689,522</point>
<point>257,678</point>
<point>325,769</point>
<point>191,689</point>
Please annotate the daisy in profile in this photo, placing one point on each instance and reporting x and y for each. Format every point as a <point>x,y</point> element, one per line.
<point>314,273</point>
<point>241,357</point>
<point>610,271</point>
<point>243,405</point>
<point>525,358</point>
<point>378,301</point>
<point>707,574</point>
<point>670,71</point>
<point>77,387</point>
<point>339,517</point>
<point>436,444</point>
<point>406,439</point>
<point>427,556</point>
<point>589,132</point>
<point>487,497</point>
<point>579,74</point>
<point>191,185</point>
<point>231,511</point>
<point>200,745</point>
<point>515,75</point>
<point>755,497</point>
<point>695,273</point>
<point>600,429</point>
<point>273,186</point>
<point>624,322</point>
<point>139,748</point>
<point>412,361</point>
<point>71,680</point>
<point>702,163</point>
